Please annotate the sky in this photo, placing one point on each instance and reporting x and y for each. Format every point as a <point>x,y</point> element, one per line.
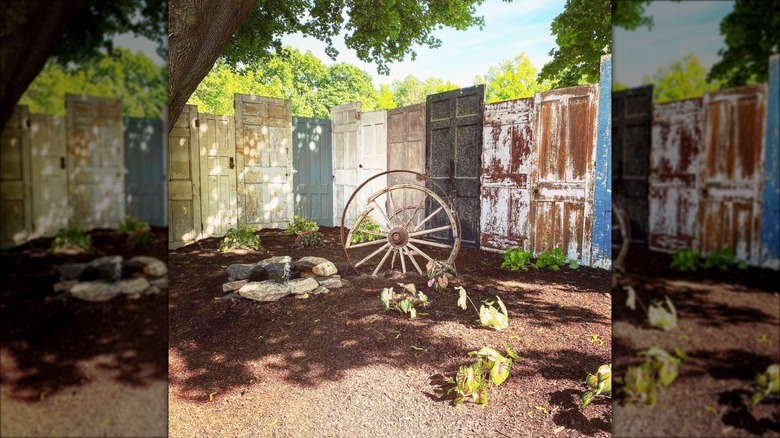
<point>679,28</point>
<point>145,45</point>
<point>510,28</point>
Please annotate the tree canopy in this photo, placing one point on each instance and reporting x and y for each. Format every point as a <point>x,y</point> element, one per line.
<point>680,80</point>
<point>512,79</point>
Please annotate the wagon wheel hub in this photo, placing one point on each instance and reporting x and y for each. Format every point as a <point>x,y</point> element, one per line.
<point>398,237</point>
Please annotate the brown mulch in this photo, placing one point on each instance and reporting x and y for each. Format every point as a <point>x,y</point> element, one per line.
<point>74,368</point>
<point>729,326</point>
<point>339,365</point>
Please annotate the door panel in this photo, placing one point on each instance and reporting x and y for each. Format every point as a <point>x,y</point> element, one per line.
<point>313,164</point>
<point>184,206</point>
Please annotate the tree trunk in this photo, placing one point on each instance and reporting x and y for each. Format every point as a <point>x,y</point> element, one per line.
<point>30,31</point>
<point>198,32</point>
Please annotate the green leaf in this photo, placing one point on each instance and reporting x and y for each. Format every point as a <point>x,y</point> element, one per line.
<point>543,409</point>
<point>511,352</point>
<point>586,398</point>
<point>500,370</point>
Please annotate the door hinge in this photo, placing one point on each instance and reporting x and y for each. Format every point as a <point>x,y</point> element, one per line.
<point>197,123</point>
<point>357,115</point>
<point>27,122</point>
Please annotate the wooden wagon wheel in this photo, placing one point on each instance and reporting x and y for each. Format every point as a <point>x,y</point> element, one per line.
<point>621,223</point>
<point>400,233</point>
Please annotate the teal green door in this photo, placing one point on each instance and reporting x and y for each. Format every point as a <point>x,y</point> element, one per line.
<point>313,169</point>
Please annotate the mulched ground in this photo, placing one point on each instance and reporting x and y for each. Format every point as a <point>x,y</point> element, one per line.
<point>74,368</point>
<point>729,326</point>
<point>338,365</point>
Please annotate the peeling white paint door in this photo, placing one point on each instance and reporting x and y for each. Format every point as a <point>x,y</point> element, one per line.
<point>345,119</point>
<point>16,209</point>
<point>48,145</point>
<point>184,206</point>
<point>372,155</point>
<point>219,207</point>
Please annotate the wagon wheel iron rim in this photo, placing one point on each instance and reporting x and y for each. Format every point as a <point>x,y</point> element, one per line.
<point>401,234</point>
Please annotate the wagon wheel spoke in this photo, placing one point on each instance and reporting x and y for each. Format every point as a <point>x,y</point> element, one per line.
<point>429,243</point>
<point>391,206</point>
<point>392,261</point>
<point>403,263</point>
<point>386,245</point>
<point>414,262</point>
<point>416,210</point>
<point>364,244</point>
<point>430,216</point>
<point>384,216</point>
<point>430,230</point>
<point>379,266</point>
<point>419,251</point>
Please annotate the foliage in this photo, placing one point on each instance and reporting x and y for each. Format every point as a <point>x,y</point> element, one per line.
<point>751,37</point>
<point>242,236</point>
<point>598,384</point>
<point>661,317</point>
<point>680,80</point>
<point>686,259</point>
<point>366,225</point>
<point>131,225</point>
<point>629,14</point>
<point>472,381</point>
<point>512,79</point>
<point>132,78</point>
<point>71,237</point>
<point>439,274</point>
<point>554,260</point>
<point>722,260</point>
<point>489,316</point>
<point>404,301</point>
<point>299,225</point>
<point>582,33</point>
<point>766,384</point>
<point>411,90</point>
<point>516,259</point>
<point>139,238</point>
<point>309,238</point>
<point>641,381</point>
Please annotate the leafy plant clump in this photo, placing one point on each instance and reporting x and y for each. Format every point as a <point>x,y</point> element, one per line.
<point>241,237</point>
<point>140,238</point>
<point>642,380</point>
<point>685,260</point>
<point>766,384</point>
<point>131,225</point>
<point>598,384</point>
<point>309,238</point>
<point>439,274</point>
<point>368,225</point>
<point>404,301</point>
<point>688,260</point>
<point>71,238</point>
<point>489,316</point>
<point>554,260</point>
<point>299,225</point>
<point>473,381</point>
<point>516,259</point>
<point>722,260</point>
<point>659,315</point>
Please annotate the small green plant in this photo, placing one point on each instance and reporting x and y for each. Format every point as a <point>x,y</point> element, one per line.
<point>404,301</point>
<point>473,381</point>
<point>367,225</point>
<point>554,260</point>
<point>489,316</point>
<point>439,274</point>
<point>72,237</point>
<point>309,238</point>
<point>140,238</point>
<point>766,384</point>
<point>131,225</point>
<point>642,380</point>
<point>598,384</point>
<point>299,225</point>
<point>721,260</point>
<point>685,260</point>
<point>663,317</point>
<point>242,236</point>
<point>516,259</point>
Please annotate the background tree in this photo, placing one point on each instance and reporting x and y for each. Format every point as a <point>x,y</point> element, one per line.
<point>512,79</point>
<point>751,36</point>
<point>385,98</point>
<point>411,91</point>
<point>680,80</point>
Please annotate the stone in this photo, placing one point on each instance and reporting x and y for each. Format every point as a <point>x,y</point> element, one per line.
<point>278,272</point>
<point>268,290</point>
<point>302,296</point>
<point>133,296</point>
<point>302,285</point>
<point>240,271</point>
<point>233,285</point>
<point>141,261</point>
<point>95,291</point>
<point>133,285</point>
<point>65,285</point>
<point>308,262</point>
<point>70,271</point>
<point>320,290</point>
<point>325,269</point>
<point>333,282</point>
<point>274,260</point>
<point>160,282</point>
<point>108,268</point>
<point>156,269</point>
<point>151,290</point>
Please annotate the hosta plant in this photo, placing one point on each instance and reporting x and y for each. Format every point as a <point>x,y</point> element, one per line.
<point>489,316</point>
<point>71,238</point>
<point>405,300</point>
<point>598,384</point>
<point>241,237</point>
<point>472,382</point>
<point>439,274</point>
<point>516,259</point>
<point>368,228</point>
<point>554,260</point>
<point>766,384</point>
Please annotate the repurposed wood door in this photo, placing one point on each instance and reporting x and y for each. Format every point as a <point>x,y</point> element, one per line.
<point>406,151</point>
<point>146,178</point>
<point>313,169</point>
<point>48,145</point>
<point>346,124</point>
<point>16,211</point>
<point>184,206</point>
<point>219,206</point>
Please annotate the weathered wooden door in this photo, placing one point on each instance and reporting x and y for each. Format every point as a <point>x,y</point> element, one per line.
<point>406,151</point>
<point>96,173</point>
<point>16,211</point>
<point>454,150</point>
<point>562,182</point>
<point>507,161</point>
<point>674,167</point>
<point>313,169</point>
<point>184,207</point>
<point>219,207</point>
<point>264,161</point>
<point>632,113</point>
<point>145,163</point>
<point>730,175</point>
<point>372,155</point>
<point>346,121</point>
<point>48,145</point>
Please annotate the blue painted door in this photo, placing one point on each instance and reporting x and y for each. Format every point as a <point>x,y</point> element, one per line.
<point>313,169</point>
<point>145,180</point>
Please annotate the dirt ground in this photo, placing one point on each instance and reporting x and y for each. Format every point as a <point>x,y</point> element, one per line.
<point>75,368</point>
<point>729,326</point>
<point>339,365</point>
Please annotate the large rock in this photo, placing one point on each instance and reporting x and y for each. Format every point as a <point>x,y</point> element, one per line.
<point>64,285</point>
<point>308,262</point>
<point>333,282</point>
<point>95,291</point>
<point>71,271</point>
<point>302,285</point>
<point>233,285</point>
<point>156,269</point>
<point>133,285</point>
<point>240,271</point>
<point>325,269</point>
<point>108,268</point>
<point>278,272</point>
<point>159,282</point>
<point>268,290</point>
<point>141,261</point>
<point>320,290</point>
<point>274,260</point>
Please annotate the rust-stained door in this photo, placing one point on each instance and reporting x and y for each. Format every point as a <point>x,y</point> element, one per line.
<point>216,139</point>
<point>346,121</point>
<point>48,146</point>
<point>454,153</point>
<point>632,113</point>
<point>730,176</point>
<point>96,173</point>
<point>562,180</point>
<point>507,163</point>
<point>313,169</point>
<point>674,165</point>
<point>406,151</point>
<point>15,205</point>
<point>184,205</point>
<point>264,161</point>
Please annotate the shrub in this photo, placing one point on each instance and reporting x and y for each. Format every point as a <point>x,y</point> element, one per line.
<point>241,237</point>
<point>516,259</point>
<point>299,225</point>
<point>72,237</point>
<point>132,225</point>
<point>368,225</point>
<point>309,238</point>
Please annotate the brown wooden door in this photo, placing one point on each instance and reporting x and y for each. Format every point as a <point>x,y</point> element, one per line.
<point>406,151</point>
<point>48,144</point>
<point>184,206</point>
